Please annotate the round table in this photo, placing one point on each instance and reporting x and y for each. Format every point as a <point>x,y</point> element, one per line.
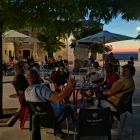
<point>86,88</point>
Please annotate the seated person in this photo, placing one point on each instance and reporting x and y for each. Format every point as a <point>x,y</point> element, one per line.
<point>111,76</point>
<point>60,78</point>
<point>4,67</point>
<point>96,76</point>
<point>39,93</point>
<point>125,83</point>
<point>20,81</point>
<point>36,67</point>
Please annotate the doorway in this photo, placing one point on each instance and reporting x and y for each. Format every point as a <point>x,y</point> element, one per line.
<point>26,53</point>
<point>10,54</point>
<point>50,54</point>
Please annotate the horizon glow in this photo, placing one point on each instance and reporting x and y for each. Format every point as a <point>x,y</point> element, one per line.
<point>123,27</point>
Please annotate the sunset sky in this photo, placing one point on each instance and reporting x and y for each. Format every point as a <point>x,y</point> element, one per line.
<point>123,27</point>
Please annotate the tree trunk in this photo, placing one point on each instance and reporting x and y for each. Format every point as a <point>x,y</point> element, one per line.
<point>1,77</point>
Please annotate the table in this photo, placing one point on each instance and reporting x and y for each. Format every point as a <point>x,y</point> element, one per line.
<point>77,89</point>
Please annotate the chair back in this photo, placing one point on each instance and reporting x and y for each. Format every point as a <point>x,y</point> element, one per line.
<point>45,111</point>
<point>94,122</point>
<point>56,64</point>
<point>22,99</point>
<point>65,61</point>
<point>125,103</point>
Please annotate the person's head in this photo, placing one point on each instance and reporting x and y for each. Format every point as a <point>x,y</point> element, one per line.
<point>131,58</point>
<point>128,70</point>
<point>109,68</point>
<point>16,59</point>
<point>111,53</point>
<point>36,66</point>
<point>28,57</point>
<point>95,65</point>
<point>33,77</point>
<point>18,68</point>
<point>62,67</point>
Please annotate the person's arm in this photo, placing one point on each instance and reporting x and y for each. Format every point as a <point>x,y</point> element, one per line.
<point>92,73</point>
<point>98,81</point>
<point>116,89</point>
<point>60,96</point>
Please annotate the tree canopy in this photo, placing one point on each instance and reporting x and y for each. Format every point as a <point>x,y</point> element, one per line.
<point>18,14</point>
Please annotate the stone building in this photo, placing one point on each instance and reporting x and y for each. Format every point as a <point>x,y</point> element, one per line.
<point>26,49</point>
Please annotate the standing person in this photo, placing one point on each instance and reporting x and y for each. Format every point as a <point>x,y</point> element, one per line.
<point>32,59</point>
<point>4,67</point>
<point>59,59</point>
<point>92,59</point>
<point>46,59</point>
<point>132,60</point>
<point>28,60</point>
<point>110,59</point>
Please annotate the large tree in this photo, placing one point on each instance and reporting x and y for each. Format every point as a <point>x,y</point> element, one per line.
<point>17,14</point>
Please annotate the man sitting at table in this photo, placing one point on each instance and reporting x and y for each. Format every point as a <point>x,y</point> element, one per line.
<point>20,81</point>
<point>96,76</point>
<point>39,93</point>
<point>111,76</point>
<point>60,78</point>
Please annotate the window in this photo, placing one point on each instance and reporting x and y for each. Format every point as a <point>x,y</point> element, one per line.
<point>25,32</point>
<point>6,52</point>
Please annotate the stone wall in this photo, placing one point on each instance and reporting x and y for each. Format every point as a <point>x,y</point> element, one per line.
<point>6,48</point>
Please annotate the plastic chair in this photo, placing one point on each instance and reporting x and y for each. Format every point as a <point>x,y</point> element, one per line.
<point>124,105</point>
<point>23,108</point>
<point>46,117</point>
<point>94,122</point>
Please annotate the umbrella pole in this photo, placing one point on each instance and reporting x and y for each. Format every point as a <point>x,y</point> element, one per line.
<point>14,51</point>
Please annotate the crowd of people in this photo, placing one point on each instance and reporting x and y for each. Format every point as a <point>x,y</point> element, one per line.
<point>35,89</point>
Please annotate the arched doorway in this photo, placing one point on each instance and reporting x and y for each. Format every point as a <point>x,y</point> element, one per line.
<point>26,53</point>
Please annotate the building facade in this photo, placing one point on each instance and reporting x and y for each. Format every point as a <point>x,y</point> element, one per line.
<point>26,49</point>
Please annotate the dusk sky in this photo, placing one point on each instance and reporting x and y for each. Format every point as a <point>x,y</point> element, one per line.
<point>123,27</point>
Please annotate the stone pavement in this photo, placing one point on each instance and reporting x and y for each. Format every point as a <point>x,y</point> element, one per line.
<point>14,133</point>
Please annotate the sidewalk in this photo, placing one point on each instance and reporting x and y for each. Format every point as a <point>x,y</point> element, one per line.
<point>14,132</point>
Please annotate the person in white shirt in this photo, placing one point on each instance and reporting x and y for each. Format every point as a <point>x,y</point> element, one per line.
<point>39,93</point>
<point>59,58</point>
<point>96,76</point>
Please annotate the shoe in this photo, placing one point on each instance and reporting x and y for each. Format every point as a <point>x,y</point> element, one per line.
<point>60,133</point>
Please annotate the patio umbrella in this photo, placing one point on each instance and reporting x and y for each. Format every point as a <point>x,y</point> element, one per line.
<point>14,36</point>
<point>104,37</point>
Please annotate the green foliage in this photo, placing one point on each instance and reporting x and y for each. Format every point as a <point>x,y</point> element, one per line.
<point>94,48</point>
<point>50,43</point>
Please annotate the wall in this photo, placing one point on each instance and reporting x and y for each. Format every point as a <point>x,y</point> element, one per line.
<point>8,47</point>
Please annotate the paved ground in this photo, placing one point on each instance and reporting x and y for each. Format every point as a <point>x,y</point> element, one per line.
<point>14,133</point>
